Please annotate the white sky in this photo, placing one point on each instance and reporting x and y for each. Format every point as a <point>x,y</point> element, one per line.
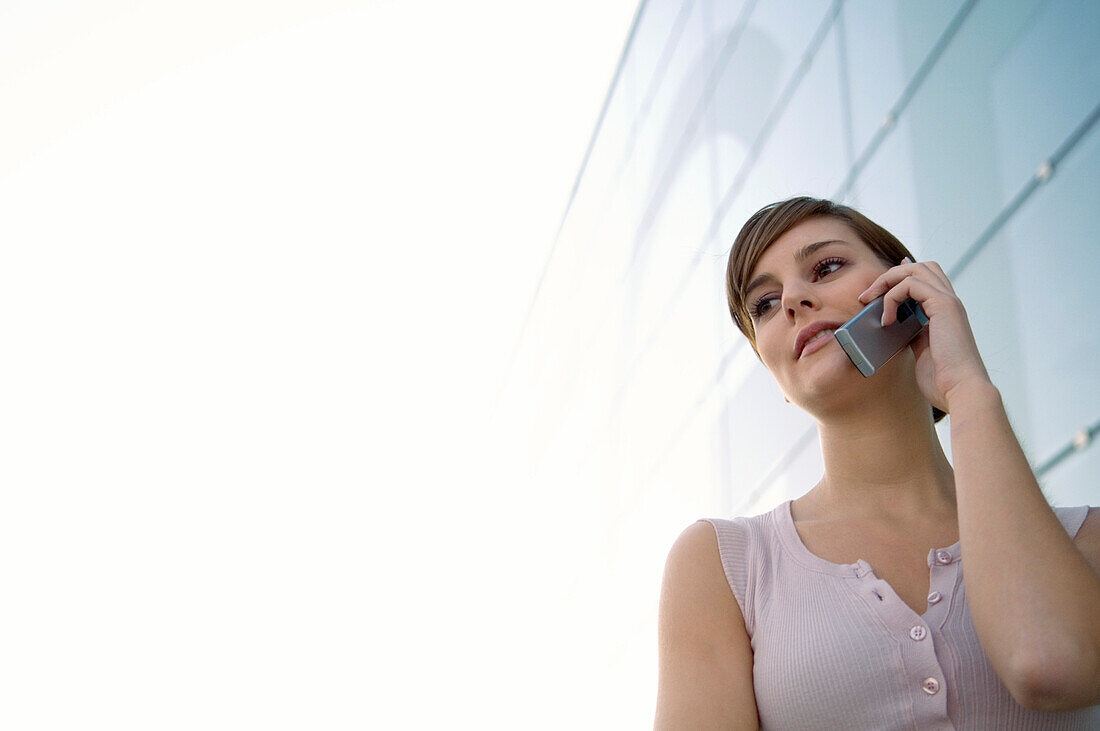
<point>264,264</point>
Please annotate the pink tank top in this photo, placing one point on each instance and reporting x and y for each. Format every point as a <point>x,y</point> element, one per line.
<point>835,648</point>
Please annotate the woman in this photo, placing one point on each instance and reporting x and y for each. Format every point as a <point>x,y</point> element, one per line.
<point>846,608</point>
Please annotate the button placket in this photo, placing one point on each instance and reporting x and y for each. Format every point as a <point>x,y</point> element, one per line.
<point>919,655</point>
<point>944,574</point>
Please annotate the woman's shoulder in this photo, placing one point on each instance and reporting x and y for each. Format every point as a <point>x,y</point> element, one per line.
<point>708,562</point>
<point>734,540</point>
<point>740,546</point>
<point>728,541</point>
<point>741,532</point>
<point>697,562</point>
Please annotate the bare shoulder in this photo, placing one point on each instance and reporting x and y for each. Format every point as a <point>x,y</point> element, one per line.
<point>695,554</point>
<point>1087,539</point>
<point>705,657</point>
<point>695,582</point>
<point>695,577</point>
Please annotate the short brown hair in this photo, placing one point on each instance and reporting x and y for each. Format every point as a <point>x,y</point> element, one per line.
<point>772,221</point>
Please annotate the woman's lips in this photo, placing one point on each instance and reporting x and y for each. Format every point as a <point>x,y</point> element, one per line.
<point>821,342</point>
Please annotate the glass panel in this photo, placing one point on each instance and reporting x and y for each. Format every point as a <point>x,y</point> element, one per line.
<point>805,153</point>
<point>1073,482</point>
<point>946,162</point>
<point>760,437</point>
<point>1044,86</point>
<point>884,43</point>
<point>766,58</point>
<point>671,134</point>
<point>1029,296</point>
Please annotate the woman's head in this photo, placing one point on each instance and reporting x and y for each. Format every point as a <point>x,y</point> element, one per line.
<point>772,221</point>
<point>859,252</point>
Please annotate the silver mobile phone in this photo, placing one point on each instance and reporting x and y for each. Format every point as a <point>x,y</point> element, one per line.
<point>869,345</point>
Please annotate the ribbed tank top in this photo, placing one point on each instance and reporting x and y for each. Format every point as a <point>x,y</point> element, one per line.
<point>835,648</point>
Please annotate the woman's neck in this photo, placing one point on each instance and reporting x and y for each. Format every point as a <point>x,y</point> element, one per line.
<point>887,462</point>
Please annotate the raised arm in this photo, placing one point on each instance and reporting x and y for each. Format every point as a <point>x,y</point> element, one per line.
<point>705,660</point>
<point>1033,595</point>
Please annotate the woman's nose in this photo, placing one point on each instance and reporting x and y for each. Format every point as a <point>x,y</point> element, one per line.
<point>793,302</point>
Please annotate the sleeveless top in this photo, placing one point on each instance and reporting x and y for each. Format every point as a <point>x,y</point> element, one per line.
<point>835,648</point>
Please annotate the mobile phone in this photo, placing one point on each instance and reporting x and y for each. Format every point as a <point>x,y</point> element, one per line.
<point>869,345</point>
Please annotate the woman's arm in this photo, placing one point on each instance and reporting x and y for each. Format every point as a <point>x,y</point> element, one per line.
<point>705,660</point>
<point>1033,596</point>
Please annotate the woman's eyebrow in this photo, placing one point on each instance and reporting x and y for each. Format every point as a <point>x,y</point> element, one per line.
<point>800,256</point>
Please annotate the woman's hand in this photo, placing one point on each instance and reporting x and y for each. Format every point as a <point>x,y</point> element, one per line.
<point>947,355</point>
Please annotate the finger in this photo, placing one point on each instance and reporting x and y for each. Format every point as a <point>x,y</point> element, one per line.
<point>909,288</point>
<point>920,343</point>
<point>931,270</point>
<point>937,270</point>
<point>887,279</point>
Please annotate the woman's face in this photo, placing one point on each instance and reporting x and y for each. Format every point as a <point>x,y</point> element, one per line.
<point>811,276</point>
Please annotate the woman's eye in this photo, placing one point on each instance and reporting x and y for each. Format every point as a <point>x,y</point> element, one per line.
<point>827,264</point>
<point>760,307</point>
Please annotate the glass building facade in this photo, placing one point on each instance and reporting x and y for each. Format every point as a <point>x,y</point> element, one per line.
<point>966,128</point>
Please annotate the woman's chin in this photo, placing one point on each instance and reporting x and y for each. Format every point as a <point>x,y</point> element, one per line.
<point>828,380</point>
<point>824,363</point>
<point>835,388</point>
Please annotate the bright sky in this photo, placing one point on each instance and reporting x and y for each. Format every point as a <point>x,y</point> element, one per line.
<point>264,266</point>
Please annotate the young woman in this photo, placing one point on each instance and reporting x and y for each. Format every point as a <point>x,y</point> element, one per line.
<point>847,607</point>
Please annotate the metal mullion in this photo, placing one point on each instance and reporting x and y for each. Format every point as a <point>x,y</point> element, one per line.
<point>1080,441</point>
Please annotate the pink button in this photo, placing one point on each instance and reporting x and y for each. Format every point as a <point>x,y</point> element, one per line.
<point>934,597</point>
<point>931,686</point>
<point>918,633</point>
<point>943,557</point>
